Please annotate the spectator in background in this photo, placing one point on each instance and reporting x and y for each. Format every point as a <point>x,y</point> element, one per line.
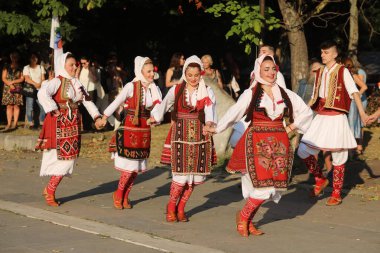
<point>114,81</point>
<point>211,75</point>
<point>356,125</point>
<point>12,78</point>
<point>87,76</point>
<point>174,72</point>
<point>101,87</point>
<point>230,74</point>
<point>34,75</point>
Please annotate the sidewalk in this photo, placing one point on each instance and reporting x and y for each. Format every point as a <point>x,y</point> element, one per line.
<point>296,224</point>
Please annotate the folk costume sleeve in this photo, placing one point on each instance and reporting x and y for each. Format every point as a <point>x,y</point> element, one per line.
<point>46,93</point>
<point>236,112</point>
<point>210,110</point>
<point>302,114</point>
<point>349,83</point>
<point>125,93</point>
<point>160,109</point>
<point>79,96</point>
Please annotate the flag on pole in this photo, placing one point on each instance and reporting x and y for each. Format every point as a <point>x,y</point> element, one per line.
<point>56,39</point>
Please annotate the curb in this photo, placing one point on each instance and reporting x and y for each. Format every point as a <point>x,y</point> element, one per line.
<point>18,142</point>
<point>98,228</point>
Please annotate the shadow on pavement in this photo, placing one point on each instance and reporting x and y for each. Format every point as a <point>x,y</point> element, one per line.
<point>111,186</point>
<point>222,197</point>
<point>160,191</point>
<point>100,189</point>
<point>291,205</point>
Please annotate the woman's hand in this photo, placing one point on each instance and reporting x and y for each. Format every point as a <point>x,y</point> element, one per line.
<point>209,128</point>
<point>152,121</point>
<point>364,117</point>
<point>372,118</point>
<point>99,124</point>
<point>103,121</point>
<point>56,113</point>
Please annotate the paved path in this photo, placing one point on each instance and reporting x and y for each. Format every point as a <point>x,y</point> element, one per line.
<point>296,224</point>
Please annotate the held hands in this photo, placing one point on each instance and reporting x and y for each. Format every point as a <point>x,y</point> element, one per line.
<point>99,124</point>
<point>209,128</point>
<point>373,117</point>
<point>365,118</point>
<point>151,121</point>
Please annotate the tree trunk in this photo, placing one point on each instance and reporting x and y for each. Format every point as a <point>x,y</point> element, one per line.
<point>353,40</point>
<point>262,7</point>
<point>297,42</point>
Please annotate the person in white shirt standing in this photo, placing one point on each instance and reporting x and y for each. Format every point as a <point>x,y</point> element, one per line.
<point>34,76</point>
<point>88,77</point>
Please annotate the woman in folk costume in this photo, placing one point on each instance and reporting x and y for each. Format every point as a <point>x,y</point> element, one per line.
<point>131,144</point>
<point>263,155</point>
<point>60,139</point>
<point>189,152</point>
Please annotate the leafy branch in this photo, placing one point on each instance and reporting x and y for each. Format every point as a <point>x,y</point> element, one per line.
<point>247,22</point>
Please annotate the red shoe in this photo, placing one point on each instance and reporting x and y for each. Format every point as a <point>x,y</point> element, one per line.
<point>253,230</point>
<point>127,204</point>
<point>171,216</point>
<point>117,201</point>
<point>50,198</point>
<point>334,201</point>
<point>182,217</point>
<point>318,188</point>
<point>241,226</point>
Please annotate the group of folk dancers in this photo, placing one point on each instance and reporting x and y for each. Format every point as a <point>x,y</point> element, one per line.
<point>263,154</point>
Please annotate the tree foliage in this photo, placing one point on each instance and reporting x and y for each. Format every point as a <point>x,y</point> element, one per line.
<point>33,18</point>
<point>247,22</point>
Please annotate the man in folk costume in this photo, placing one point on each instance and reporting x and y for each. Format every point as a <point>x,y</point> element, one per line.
<point>189,152</point>
<point>130,146</point>
<point>329,130</point>
<point>263,155</point>
<point>60,139</point>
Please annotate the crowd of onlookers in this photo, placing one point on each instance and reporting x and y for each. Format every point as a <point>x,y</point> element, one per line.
<point>21,82</point>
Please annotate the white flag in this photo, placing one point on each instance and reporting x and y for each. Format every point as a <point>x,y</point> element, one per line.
<point>56,39</point>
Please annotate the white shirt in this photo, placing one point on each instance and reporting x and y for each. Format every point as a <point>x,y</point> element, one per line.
<point>349,82</point>
<point>126,93</point>
<point>210,112</point>
<point>50,88</point>
<point>34,73</point>
<point>84,78</point>
<point>301,112</point>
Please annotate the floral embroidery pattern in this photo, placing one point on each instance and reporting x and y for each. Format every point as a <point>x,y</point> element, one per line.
<point>272,155</point>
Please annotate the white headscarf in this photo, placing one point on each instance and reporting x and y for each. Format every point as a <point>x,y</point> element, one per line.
<point>60,66</point>
<point>203,98</point>
<point>139,64</point>
<point>256,71</point>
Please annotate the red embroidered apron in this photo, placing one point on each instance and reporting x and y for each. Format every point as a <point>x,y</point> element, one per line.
<point>264,152</point>
<point>133,141</point>
<point>62,132</point>
<point>186,148</point>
